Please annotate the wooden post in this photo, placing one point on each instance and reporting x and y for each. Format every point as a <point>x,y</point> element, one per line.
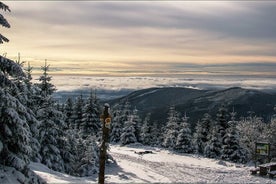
<point>106,119</point>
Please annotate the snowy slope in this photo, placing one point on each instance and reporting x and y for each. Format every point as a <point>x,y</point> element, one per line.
<point>160,166</point>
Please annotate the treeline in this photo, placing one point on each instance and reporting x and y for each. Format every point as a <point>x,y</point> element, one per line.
<point>222,137</point>
<point>34,128</point>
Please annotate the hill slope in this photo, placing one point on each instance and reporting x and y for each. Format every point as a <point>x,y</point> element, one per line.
<point>197,102</point>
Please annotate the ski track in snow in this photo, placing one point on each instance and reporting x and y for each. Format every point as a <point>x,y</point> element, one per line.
<point>185,170</point>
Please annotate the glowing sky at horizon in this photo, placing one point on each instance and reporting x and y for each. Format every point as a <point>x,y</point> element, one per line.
<point>122,38</point>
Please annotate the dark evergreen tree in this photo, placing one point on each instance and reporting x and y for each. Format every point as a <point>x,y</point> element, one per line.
<point>146,131</point>
<point>78,112</point>
<point>45,85</point>
<point>222,120</point>
<point>68,111</point>
<point>216,139</point>
<point>156,134</point>
<point>90,124</point>
<point>137,121</point>
<point>52,124</point>
<point>202,131</point>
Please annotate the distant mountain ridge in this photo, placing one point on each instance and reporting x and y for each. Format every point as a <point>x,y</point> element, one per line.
<point>197,102</point>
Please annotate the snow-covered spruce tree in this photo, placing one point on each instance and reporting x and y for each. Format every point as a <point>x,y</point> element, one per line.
<point>119,116</point>
<point>4,22</point>
<point>15,133</point>
<point>213,146</point>
<point>202,131</point>
<point>184,139</point>
<point>231,149</point>
<point>216,139</point>
<point>90,124</point>
<point>89,159</point>
<point>69,152</point>
<point>25,92</point>
<point>78,112</point>
<point>128,133</point>
<point>146,133</point>
<point>52,122</point>
<point>137,121</point>
<point>116,131</point>
<point>157,134</point>
<point>171,129</point>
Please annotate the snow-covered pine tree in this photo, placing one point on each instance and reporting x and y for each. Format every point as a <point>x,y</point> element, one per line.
<point>90,124</point>
<point>119,116</point>
<point>26,91</point>
<point>15,133</point>
<point>69,152</point>
<point>213,146</point>
<point>202,131</point>
<point>184,139</point>
<point>231,149</point>
<point>171,129</point>
<point>156,133</point>
<point>126,112</point>
<point>4,22</point>
<point>216,140</point>
<point>89,158</point>
<point>116,128</point>
<point>137,121</point>
<point>45,85</point>
<point>145,133</point>
<point>52,124</point>
<point>128,133</point>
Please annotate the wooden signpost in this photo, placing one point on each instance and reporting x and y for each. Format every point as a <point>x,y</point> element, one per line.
<point>106,120</point>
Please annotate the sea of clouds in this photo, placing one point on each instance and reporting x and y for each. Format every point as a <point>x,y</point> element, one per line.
<point>77,82</point>
<point>114,87</point>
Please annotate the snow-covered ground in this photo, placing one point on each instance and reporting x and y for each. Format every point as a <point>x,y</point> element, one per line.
<point>160,166</point>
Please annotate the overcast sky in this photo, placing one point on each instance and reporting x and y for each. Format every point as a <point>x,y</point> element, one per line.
<point>148,37</point>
